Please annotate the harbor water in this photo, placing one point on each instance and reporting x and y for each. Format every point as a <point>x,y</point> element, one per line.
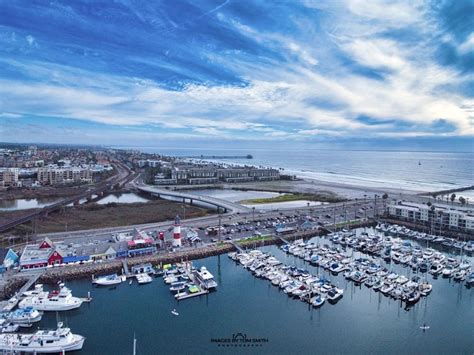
<point>363,321</point>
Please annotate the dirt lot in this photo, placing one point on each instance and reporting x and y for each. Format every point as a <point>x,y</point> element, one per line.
<point>111,215</point>
<point>42,192</point>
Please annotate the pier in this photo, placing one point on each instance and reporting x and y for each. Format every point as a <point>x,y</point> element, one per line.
<point>283,239</point>
<point>125,269</point>
<point>238,247</point>
<point>7,306</point>
<point>248,156</point>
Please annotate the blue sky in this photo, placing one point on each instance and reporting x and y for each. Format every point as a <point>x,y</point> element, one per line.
<point>240,72</point>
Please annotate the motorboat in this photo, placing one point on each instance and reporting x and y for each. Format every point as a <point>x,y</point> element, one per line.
<point>387,288</point>
<point>334,294</point>
<point>42,341</point>
<point>436,269</point>
<point>205,278</point>
<point>57,300</point>
<point>460,275</point>
<point>7,327</point>
<point>448,271</point>
<point>174,312</point>
<point>317,301</point>
<point>470,279</point>
<point>178,286</point>
<point>143,278</point>
<point>425,288</point>
<point>412,297</point>
<point>23,316</point>
<point>108,280</point>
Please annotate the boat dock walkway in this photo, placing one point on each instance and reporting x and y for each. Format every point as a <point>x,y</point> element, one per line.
<point>7,306</point>
<point>283,239</point>
<point>238,247</point>
<point>126,271</point>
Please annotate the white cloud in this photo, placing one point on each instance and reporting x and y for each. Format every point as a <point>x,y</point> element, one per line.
<point>467,46</point>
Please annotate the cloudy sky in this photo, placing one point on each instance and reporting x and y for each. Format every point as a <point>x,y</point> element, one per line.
<point>236,71</point>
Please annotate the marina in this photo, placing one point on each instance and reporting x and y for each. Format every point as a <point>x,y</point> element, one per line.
<point>259,309</point>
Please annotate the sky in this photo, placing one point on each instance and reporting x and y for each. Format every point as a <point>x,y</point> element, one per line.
<point>238,73</point>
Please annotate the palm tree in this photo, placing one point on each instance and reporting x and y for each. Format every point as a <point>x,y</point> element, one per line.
<point>462,200</point>
<point>432,210</point>
<point>453,197</point>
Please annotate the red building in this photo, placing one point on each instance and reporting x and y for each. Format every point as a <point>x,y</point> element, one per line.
<point>55,258</point>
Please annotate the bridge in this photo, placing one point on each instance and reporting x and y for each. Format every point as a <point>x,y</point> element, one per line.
<point>221,205</point>
<point>122,177</point>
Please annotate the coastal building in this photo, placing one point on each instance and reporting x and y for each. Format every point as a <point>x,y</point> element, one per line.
<point>103,253</point>
<point>9,177</point>
<point>439,215</point>
<point>8,259</point>
<point>35,256</point>
<point>191,174</point>
<point>140,244</point>
<point>54,175</point>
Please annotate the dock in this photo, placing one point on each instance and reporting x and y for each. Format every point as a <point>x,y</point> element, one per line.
<point>7,306</point>
<point>238,247</point>
<point>202,291</point>
<point>126,271</point>
<point>283,239</point>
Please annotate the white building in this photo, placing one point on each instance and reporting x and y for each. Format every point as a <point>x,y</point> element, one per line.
<point>446,216</point>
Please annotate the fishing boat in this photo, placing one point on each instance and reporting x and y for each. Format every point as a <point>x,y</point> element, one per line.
<point>42,341</point>
<point>57,300</point>
<point>108,280</point>
<point>23,316</point>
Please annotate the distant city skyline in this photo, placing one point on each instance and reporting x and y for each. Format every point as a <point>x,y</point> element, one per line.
<point>343,74</point>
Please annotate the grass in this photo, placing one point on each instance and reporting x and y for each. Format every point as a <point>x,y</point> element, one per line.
<point>254,239</point>
<point>293,197</point>
<point>93,215</point>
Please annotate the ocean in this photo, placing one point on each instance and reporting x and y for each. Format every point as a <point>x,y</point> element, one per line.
<point>405,170</point>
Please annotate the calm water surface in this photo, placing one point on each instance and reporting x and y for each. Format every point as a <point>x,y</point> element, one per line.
<point>363,321</point>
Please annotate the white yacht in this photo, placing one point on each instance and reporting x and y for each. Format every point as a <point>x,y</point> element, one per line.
<point>61,300</point>
<point>42,341</point>
<point>143,278</point>
<point>205,278</point>
<point>108,280</point>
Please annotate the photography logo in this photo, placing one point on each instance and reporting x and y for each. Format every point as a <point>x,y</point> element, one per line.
<point>239,340</point>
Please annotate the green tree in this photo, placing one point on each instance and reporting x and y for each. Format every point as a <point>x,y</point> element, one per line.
<point>453,197</point>
<point>462,200</point>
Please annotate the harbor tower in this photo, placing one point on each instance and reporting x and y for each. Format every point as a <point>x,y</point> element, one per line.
<point>177,232</point>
